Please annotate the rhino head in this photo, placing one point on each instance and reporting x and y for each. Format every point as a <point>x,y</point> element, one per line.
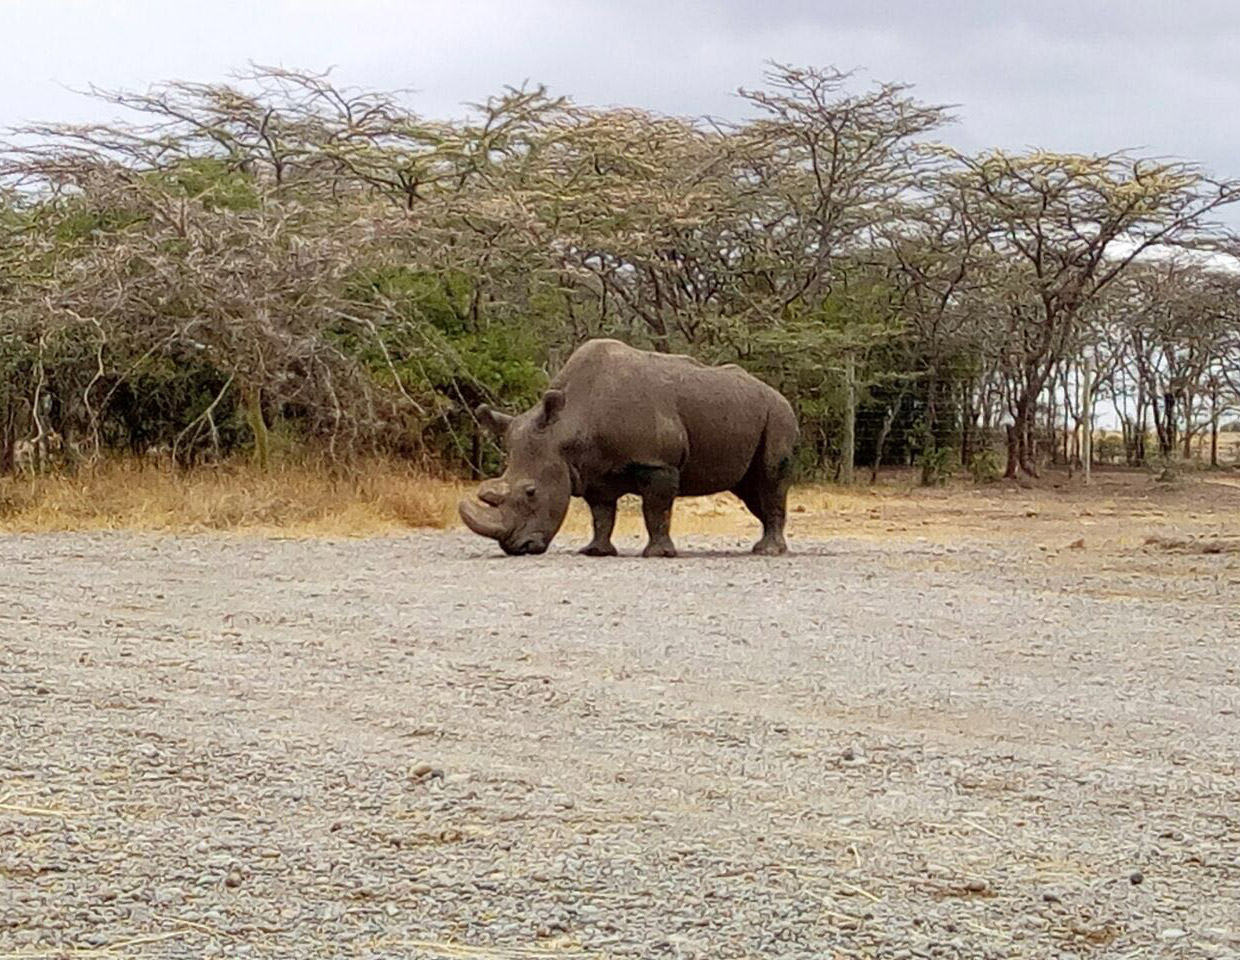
<point>524,508</point>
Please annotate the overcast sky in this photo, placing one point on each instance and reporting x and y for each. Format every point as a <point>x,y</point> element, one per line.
<point>1162,76</point>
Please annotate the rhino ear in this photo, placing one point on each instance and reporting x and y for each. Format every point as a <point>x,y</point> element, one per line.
<point>552,404</point>
<point>493,420</point>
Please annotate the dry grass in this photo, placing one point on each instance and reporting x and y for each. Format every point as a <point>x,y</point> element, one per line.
<point>382,497</point>
<point>1121,509</point>
<point>290,500</point>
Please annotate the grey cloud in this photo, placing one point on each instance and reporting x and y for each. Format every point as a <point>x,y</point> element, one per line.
<point>1065,75</point>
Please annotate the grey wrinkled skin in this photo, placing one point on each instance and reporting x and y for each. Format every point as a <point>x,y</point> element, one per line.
<point>617,420</point>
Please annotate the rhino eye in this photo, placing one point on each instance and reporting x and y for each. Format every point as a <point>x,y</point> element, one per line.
<point>528,489</point>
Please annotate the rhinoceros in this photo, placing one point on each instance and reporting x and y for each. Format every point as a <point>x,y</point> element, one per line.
<point>617,420</point>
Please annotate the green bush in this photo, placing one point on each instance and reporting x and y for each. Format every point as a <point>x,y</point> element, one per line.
<point>1109,449</point>
<point>936,465</point>
<point>985,467</point>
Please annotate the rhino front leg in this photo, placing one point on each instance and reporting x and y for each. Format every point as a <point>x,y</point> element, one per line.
<point>658,494</point>
<point>603,513</point>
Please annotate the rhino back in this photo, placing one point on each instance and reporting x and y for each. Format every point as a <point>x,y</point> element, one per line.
<point>633,407</point>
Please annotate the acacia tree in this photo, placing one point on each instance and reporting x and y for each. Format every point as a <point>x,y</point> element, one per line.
<point>229,231</point>
<point>1176,338</point>
<point>282,248</point>
<point>829,166</point>
<point>937,256</point>
<point>703,232</point>
<point>157,252</point>
<point>1158,341</point>
<point>638,214</point>
<point>1067,226</point>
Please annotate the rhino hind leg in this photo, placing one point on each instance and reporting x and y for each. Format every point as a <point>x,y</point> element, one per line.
<point>603,513</point>
<point>658,525</point>
<point>765,493</point>
<point>658,493</point>
<point>772,543</point>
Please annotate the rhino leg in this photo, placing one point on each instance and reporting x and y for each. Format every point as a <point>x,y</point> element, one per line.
<point>767,499</point>
<point>658,514</point>
<point>772,543</point>
<point>658,493</point>
<point>603,513</point>
<point>774,502</point>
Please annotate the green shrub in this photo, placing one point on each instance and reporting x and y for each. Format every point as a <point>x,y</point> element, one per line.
<point>936,465</point>
<point>985,467</point>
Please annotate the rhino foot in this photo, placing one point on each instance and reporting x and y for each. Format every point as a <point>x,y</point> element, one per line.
<point>598,550</point>
<point>770,548</point>
<point>665,549</point>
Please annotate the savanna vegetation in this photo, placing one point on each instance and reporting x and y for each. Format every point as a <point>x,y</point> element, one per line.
<point>279,267</point>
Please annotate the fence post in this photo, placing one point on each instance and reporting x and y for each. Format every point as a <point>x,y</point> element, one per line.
<point>1087,420</point>
<point>850,419</point>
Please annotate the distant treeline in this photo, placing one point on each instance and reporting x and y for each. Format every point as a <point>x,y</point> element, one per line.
<point>279,263</point>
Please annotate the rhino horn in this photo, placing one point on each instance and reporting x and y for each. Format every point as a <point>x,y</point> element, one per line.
<point>486,521</point>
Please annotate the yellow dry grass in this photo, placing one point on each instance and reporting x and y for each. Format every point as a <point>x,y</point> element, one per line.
<point>377,498</point>
<point>288,499</point>
<point>1120,509</point>
<point>817,509</point>
<point>383,497</point>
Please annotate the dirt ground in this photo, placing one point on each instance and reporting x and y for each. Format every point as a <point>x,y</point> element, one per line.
<point>950,724</point>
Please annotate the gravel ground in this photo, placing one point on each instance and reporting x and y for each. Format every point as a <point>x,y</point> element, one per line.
<point>215,746</point>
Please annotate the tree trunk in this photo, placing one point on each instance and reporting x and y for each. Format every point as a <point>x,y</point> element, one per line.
<point>253,398</point>
<point>1140,428</point>
<point>1214,424</point>
<point>1166,442</point>
<point>848,449</point>
<point>1186,404</point>
<point>929,431</point>
<point>1069,435</point>
<point>1052,426</point>
<point>1025,446</point>
<point>1087,422</point>
<point>966,442</point>
<point>968,415</point>
<point>1029,451</point>
<point>1156,411</point>
<point>8,432</point>
<point>889,418</point>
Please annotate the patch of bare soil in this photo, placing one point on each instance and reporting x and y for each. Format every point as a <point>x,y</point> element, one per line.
<point>931,742</point>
